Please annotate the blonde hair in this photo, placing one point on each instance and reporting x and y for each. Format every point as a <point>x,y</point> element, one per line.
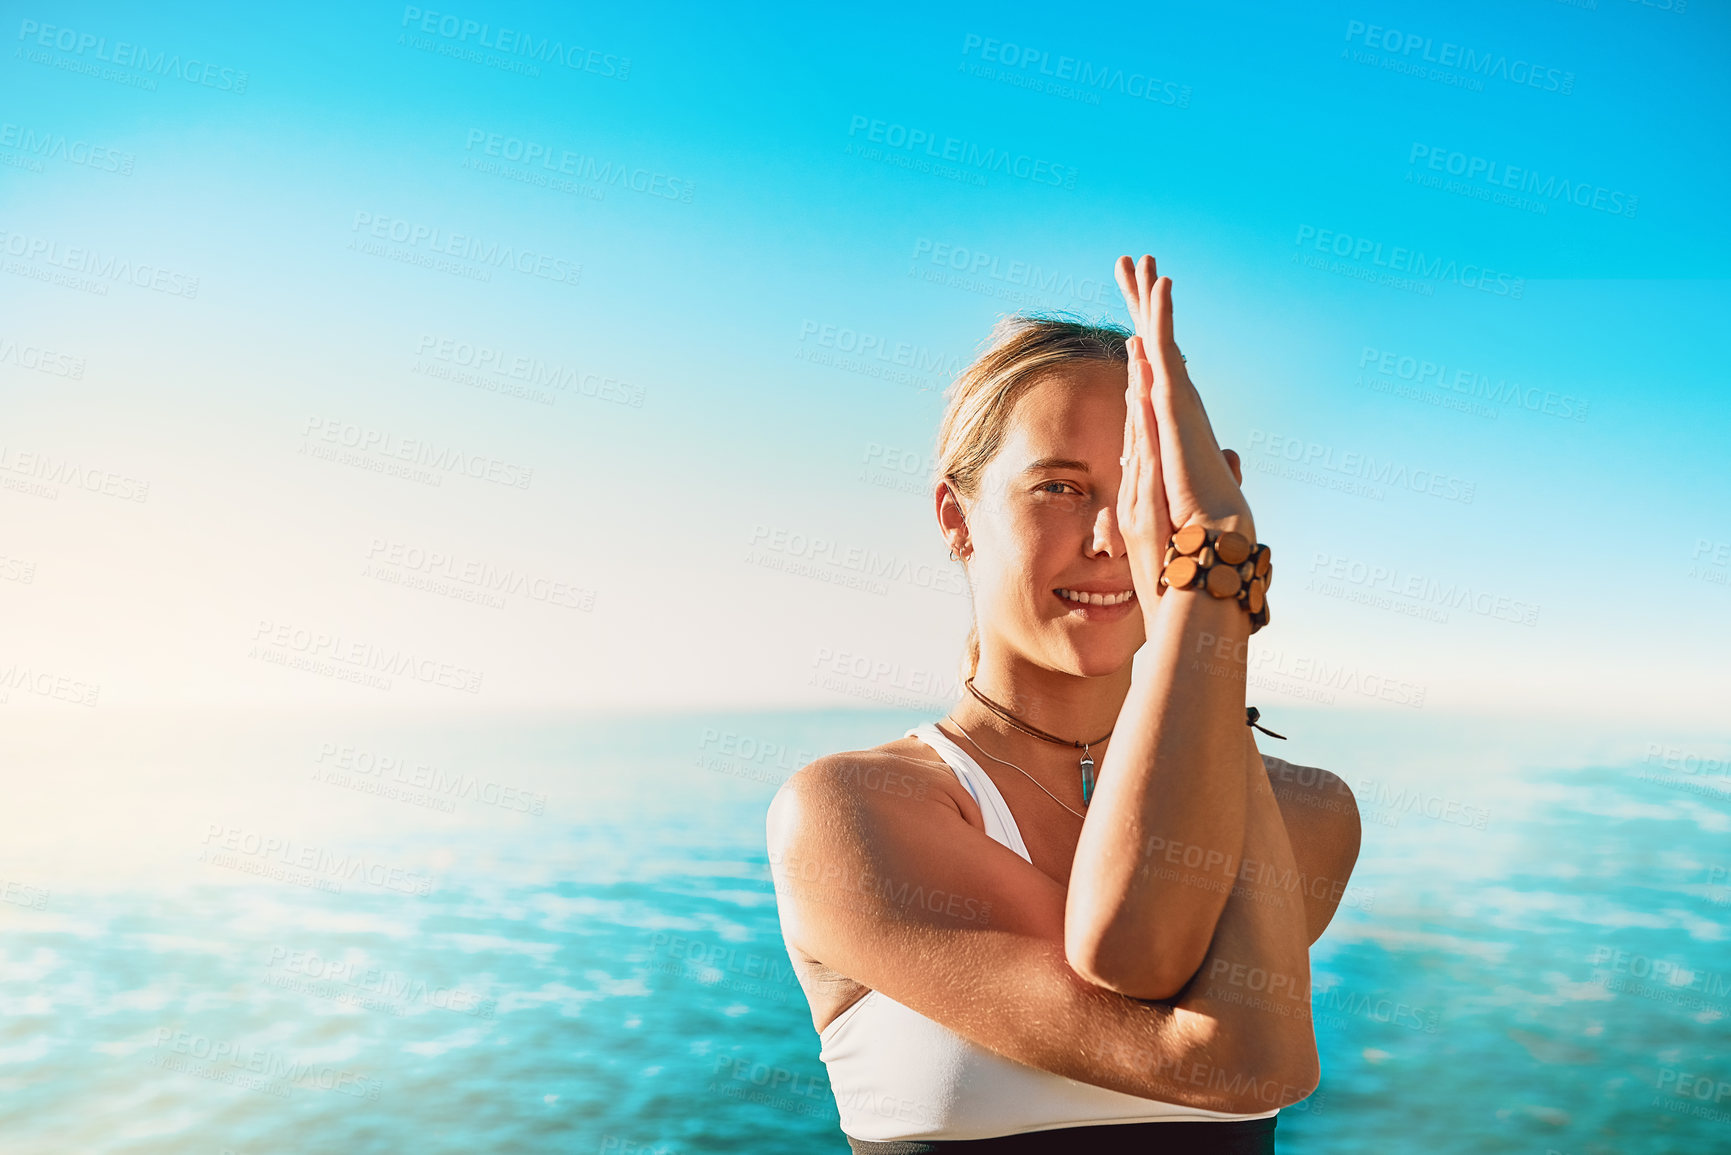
<point>981,400</point>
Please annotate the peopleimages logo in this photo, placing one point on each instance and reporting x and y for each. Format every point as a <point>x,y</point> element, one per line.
<point>1477,169</point>
<point>1447,54</point>
<point>1479,386</point>
<point>1377,579</point>
<point>1412,262</point>
<point>954,150</point>
<point>846,340</point>
<point>137,56</point>
<point>1037,67</point>
<point>412,235</point>
<point>49,145</point>
<point>512,42</point>
<point>580,165</point>
<point>96,263</point>
<point>1360,468</point>
<point>42,360</point>
<point>945,263</point>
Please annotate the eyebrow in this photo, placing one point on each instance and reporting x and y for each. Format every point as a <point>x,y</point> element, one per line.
<point>1057,463</point>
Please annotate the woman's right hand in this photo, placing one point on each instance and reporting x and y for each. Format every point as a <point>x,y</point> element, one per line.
<point>1166,424</point>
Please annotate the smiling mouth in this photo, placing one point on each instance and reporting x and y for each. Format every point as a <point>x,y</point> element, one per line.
<point>1082,599</point>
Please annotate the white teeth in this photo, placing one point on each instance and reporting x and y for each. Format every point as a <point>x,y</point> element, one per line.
<point>1098,599</point>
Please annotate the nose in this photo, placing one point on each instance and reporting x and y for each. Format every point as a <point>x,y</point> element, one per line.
<point>1106,539</point>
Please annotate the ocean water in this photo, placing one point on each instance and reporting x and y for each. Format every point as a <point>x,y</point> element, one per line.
<point>226,934</point>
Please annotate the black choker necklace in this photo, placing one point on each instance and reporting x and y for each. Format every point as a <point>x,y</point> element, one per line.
<point>1252,717</point>
<point>1087,757</point>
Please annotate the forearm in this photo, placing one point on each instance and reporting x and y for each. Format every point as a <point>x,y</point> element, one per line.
<point>1169,812</point>
<point>1255,981</point>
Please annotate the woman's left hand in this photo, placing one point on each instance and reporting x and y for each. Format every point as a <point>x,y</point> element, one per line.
<point>1144,515</point>
<point>1202,481</point>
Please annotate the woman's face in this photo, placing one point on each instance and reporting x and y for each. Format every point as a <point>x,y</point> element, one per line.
<point>1045,520</point>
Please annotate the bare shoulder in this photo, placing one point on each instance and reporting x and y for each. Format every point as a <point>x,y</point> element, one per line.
<point>1318,805</point>
<point>903,769</point>
<point>1310,786</point>
<point>836,830</point>
<point>842,813</point>
<point>881,866</point>
<point>1321,818</point>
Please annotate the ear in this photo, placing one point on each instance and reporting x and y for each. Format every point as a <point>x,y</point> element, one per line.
<point>1233,464</point>
<point>950,517</point>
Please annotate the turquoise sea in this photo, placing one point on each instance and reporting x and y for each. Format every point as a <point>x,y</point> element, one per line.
<point>252,936</point>
<point>592,358</point>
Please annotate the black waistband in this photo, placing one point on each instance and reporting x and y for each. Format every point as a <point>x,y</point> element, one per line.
<point>1180,1137</point>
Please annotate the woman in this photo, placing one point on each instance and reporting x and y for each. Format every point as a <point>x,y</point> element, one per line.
<point>999,955</point>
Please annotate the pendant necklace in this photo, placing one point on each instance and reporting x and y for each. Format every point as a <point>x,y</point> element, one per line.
<point>1013,766</point>
<point>1087,763</point>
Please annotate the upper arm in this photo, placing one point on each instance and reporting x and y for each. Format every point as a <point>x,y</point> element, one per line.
<point>860,836</point>
<point>1322,823</point>
<point>905,896</point>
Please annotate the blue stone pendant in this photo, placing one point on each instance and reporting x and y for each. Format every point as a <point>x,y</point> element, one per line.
<point>1087,775</point>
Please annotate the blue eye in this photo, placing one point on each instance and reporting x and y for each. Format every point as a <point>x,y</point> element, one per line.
<point>1046,488</point>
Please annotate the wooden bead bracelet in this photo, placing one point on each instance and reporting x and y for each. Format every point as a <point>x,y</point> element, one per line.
<point>1224,563</point>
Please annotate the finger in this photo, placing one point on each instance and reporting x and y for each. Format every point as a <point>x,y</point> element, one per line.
<point>1131,483</point>
<point>1133,302</point>
<point>1147,436</point>
<point>1146,274</point>
<point>1126,274</point>
<point>1130,370</point>
<point>1128,482</point>
<point>1162,310</point>
<point>1233,464</point>
<point>1140,373</point>
<point>1156,477</point>
<point>1162,515</point>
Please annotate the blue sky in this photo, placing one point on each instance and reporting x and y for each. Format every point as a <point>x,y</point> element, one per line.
<point>1278,160</point>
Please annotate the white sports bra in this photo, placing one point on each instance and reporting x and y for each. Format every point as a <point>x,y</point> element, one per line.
<point>897,1074</point>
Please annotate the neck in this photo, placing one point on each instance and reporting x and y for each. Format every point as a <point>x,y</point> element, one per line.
<point>1067,706</point>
